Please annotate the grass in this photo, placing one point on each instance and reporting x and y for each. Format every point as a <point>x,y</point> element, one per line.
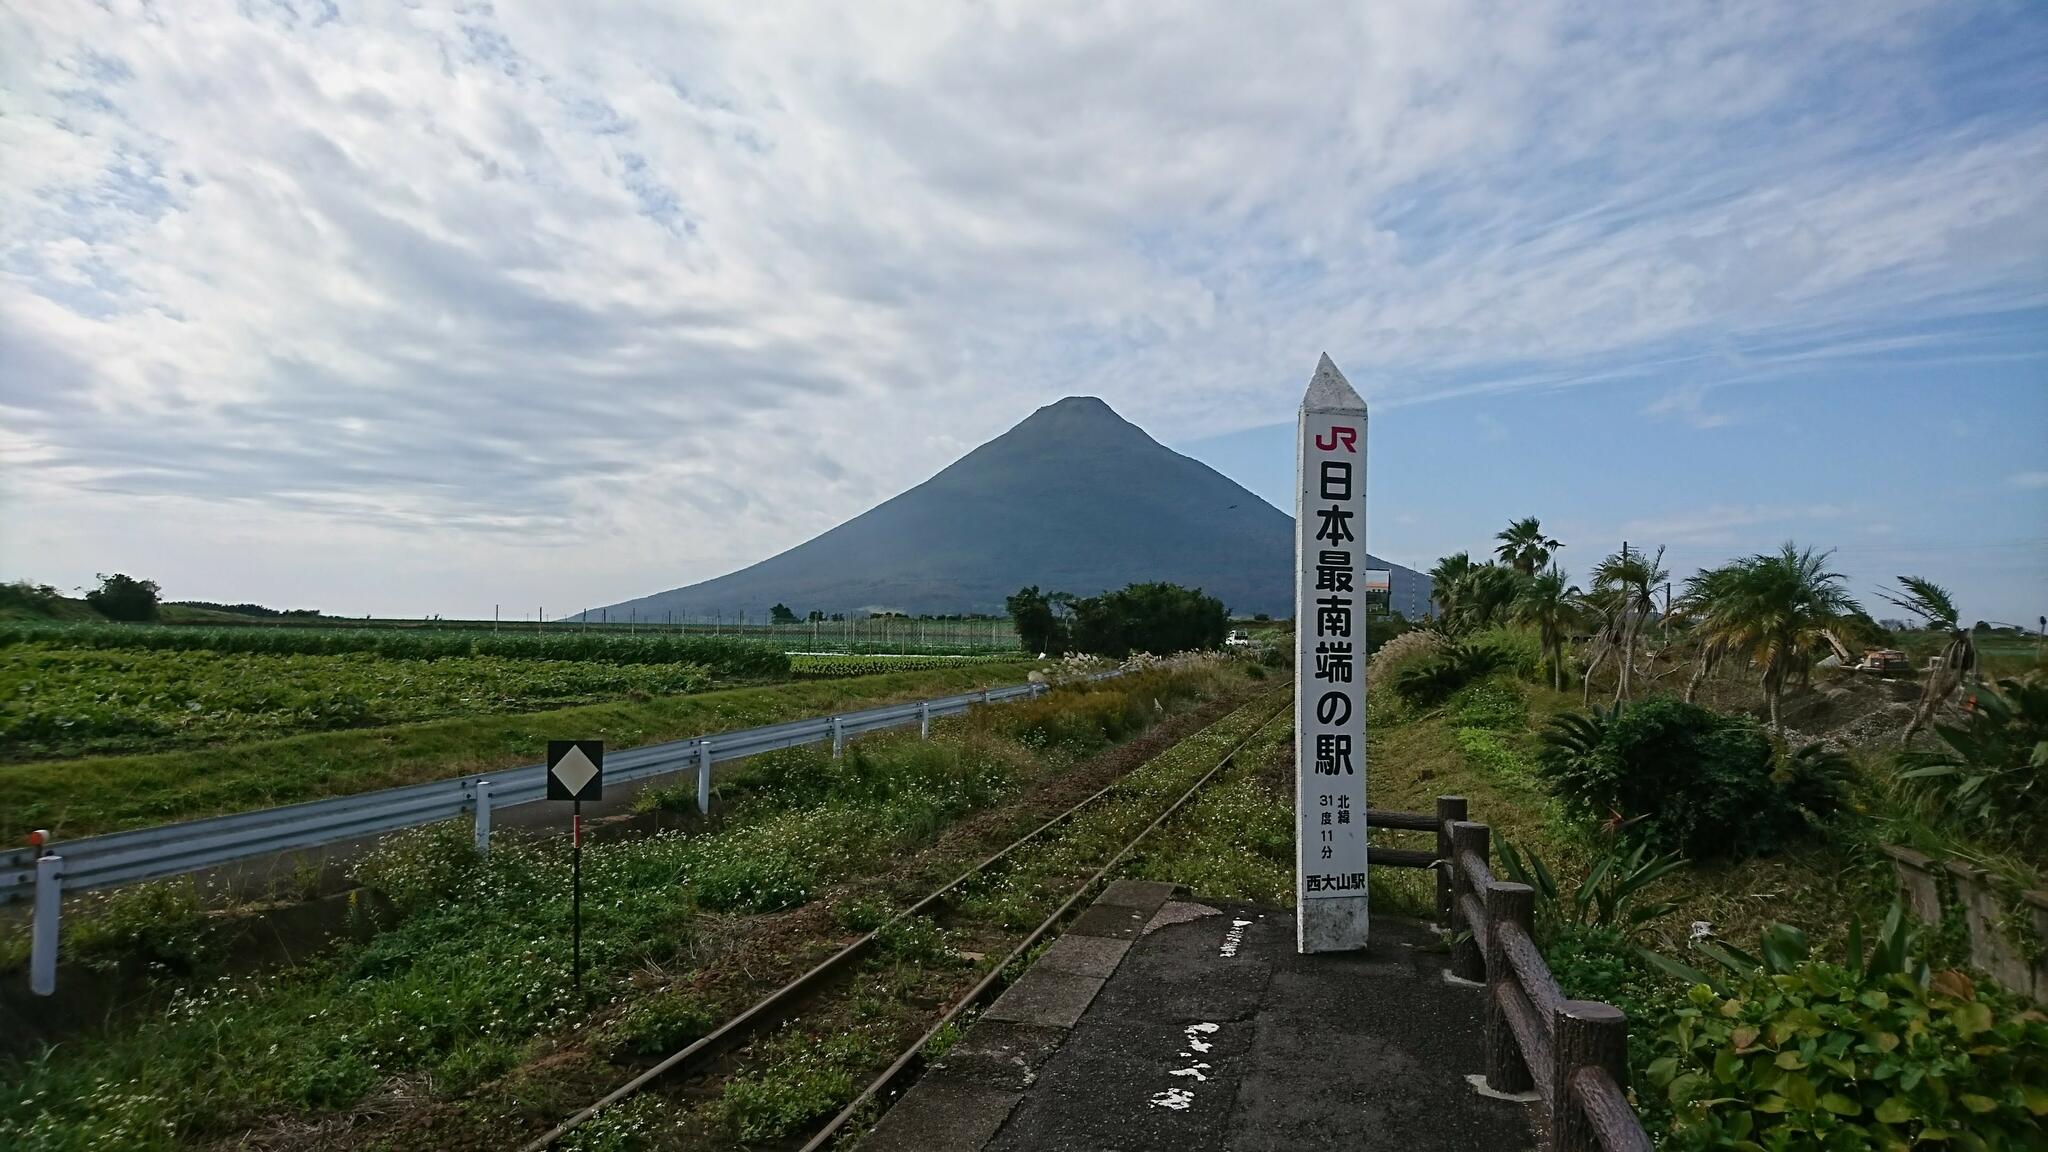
<point>99,794</point>
<point>471,986</point>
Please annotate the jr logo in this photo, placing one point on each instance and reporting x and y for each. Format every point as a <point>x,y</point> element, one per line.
<point>1348,437</point>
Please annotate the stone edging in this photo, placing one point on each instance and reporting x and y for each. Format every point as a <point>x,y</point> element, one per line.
<point>963,1099</point>
<point>1925,885</point>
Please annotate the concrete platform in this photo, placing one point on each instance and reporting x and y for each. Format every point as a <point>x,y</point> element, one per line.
<point>1176,1026</point>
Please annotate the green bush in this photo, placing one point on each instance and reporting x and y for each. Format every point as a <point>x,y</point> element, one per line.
<point>1991,772</point>
<point>1873,1053</point>
<point>1432,680</point>
<point>1520,649</point>
<point>1685,778</point>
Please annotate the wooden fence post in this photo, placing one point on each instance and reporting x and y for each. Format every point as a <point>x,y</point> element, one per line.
<point>1506,904</point>
<point>1584,1034</point>
<point>1448,810</point>
<point>1466,961</point>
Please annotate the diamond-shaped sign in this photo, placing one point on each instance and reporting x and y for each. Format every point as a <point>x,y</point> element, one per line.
<point>575,769</point>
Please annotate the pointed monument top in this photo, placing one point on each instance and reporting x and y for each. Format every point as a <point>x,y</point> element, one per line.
<point>1329,391</point>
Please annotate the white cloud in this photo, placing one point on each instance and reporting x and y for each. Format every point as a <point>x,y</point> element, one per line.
<point>1726,524</point>
<point>698,283</point>
<point>2028,479</point>
<point>1687,402</point>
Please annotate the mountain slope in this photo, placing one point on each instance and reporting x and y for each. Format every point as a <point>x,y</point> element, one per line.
<point>1074,499</point>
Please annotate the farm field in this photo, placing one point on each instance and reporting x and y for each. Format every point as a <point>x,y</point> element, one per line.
<point>105,793</point>
<point>723,656</point>
<point>184,627</point>
<point>457,1028</point>
<point>60,702</point>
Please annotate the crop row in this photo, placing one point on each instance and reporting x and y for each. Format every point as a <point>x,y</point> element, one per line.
<point>821,664</point>
<point>70,702</point>
<point>722,656</point>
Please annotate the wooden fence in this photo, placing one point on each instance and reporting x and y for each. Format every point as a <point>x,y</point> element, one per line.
<point>1572,1053</point>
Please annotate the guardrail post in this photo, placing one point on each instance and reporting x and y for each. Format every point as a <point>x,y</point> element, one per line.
<point>42,961</point>
<point>1466,961</point>
<point>704,777</point>
<point>1584,1034</point>
<point>924,720</point>
<point>1449,810</point>
<point>1506,904</point>
<point>838,737</point>
<point>483,817</point>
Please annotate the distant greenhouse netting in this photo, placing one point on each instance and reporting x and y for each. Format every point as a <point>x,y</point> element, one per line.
<point>723,655</point>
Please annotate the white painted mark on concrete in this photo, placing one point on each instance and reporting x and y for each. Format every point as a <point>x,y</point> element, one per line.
<point>1478,1081</point>
<point>1197,1070</point>
<point>1177,1099</point>
<point>1195,1033</point>
<point>1233,938</point>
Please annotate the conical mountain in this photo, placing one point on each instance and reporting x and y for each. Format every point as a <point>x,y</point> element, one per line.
<point>1074,499</point>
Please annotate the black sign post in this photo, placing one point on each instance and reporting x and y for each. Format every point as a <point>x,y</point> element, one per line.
<point>576,774</point>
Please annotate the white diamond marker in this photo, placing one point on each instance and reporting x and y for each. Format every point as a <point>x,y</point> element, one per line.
<point>574,770</point>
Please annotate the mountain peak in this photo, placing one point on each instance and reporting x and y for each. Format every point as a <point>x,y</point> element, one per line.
<point>1077,417</point>
<point>1074,498</point>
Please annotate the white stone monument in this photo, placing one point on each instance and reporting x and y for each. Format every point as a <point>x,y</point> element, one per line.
<point>1329,666</point>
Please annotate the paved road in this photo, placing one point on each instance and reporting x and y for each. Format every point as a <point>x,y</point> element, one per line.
<point>1178,1027</point>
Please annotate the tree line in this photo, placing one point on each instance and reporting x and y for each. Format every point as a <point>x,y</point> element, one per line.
<point>1155,617</point>
<point>1780,612</point>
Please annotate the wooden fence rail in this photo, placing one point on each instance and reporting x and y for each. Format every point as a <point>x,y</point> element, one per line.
<point>1573,1054</point>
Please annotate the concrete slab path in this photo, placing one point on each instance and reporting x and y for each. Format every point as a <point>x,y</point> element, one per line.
<point>1162,1025</point>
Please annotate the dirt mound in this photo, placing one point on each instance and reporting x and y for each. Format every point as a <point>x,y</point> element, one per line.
<point>1852,710</point>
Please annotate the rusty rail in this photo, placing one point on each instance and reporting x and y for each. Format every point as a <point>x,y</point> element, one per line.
<point>1573,1054</point>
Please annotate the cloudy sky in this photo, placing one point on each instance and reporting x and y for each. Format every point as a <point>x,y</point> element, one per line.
<point>429,307</point>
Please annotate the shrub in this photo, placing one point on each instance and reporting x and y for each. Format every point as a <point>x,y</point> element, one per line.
<point>1991,771</point>
<point>1402,650</point>
<point>121,597</point>
<point>1520,650</point>
<point>1433,679</point>
<point>1687,779</point>
<point>1795,1052</point>
<point>1606,899</point>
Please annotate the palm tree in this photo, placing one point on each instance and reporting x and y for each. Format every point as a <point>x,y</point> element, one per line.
<point>1549,600</point>
<point>1474,596</point>
<point>1705,592</point>
<point>1524,547</point>
<point>1937,609</point>
<point>1777,609</point>
<point>1603,605</point>
<point>1444,581</point>
<point>1627,584</point>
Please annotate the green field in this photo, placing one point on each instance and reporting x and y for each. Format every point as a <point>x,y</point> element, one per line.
<point>81,797</point>
<point>722,656</point>
<point>57,702</point>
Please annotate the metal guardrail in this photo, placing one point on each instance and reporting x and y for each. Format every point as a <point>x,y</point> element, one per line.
<point>189,846</point>
<point>45,873</point>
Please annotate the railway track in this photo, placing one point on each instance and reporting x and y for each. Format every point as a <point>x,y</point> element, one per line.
<point>1041,847</point>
